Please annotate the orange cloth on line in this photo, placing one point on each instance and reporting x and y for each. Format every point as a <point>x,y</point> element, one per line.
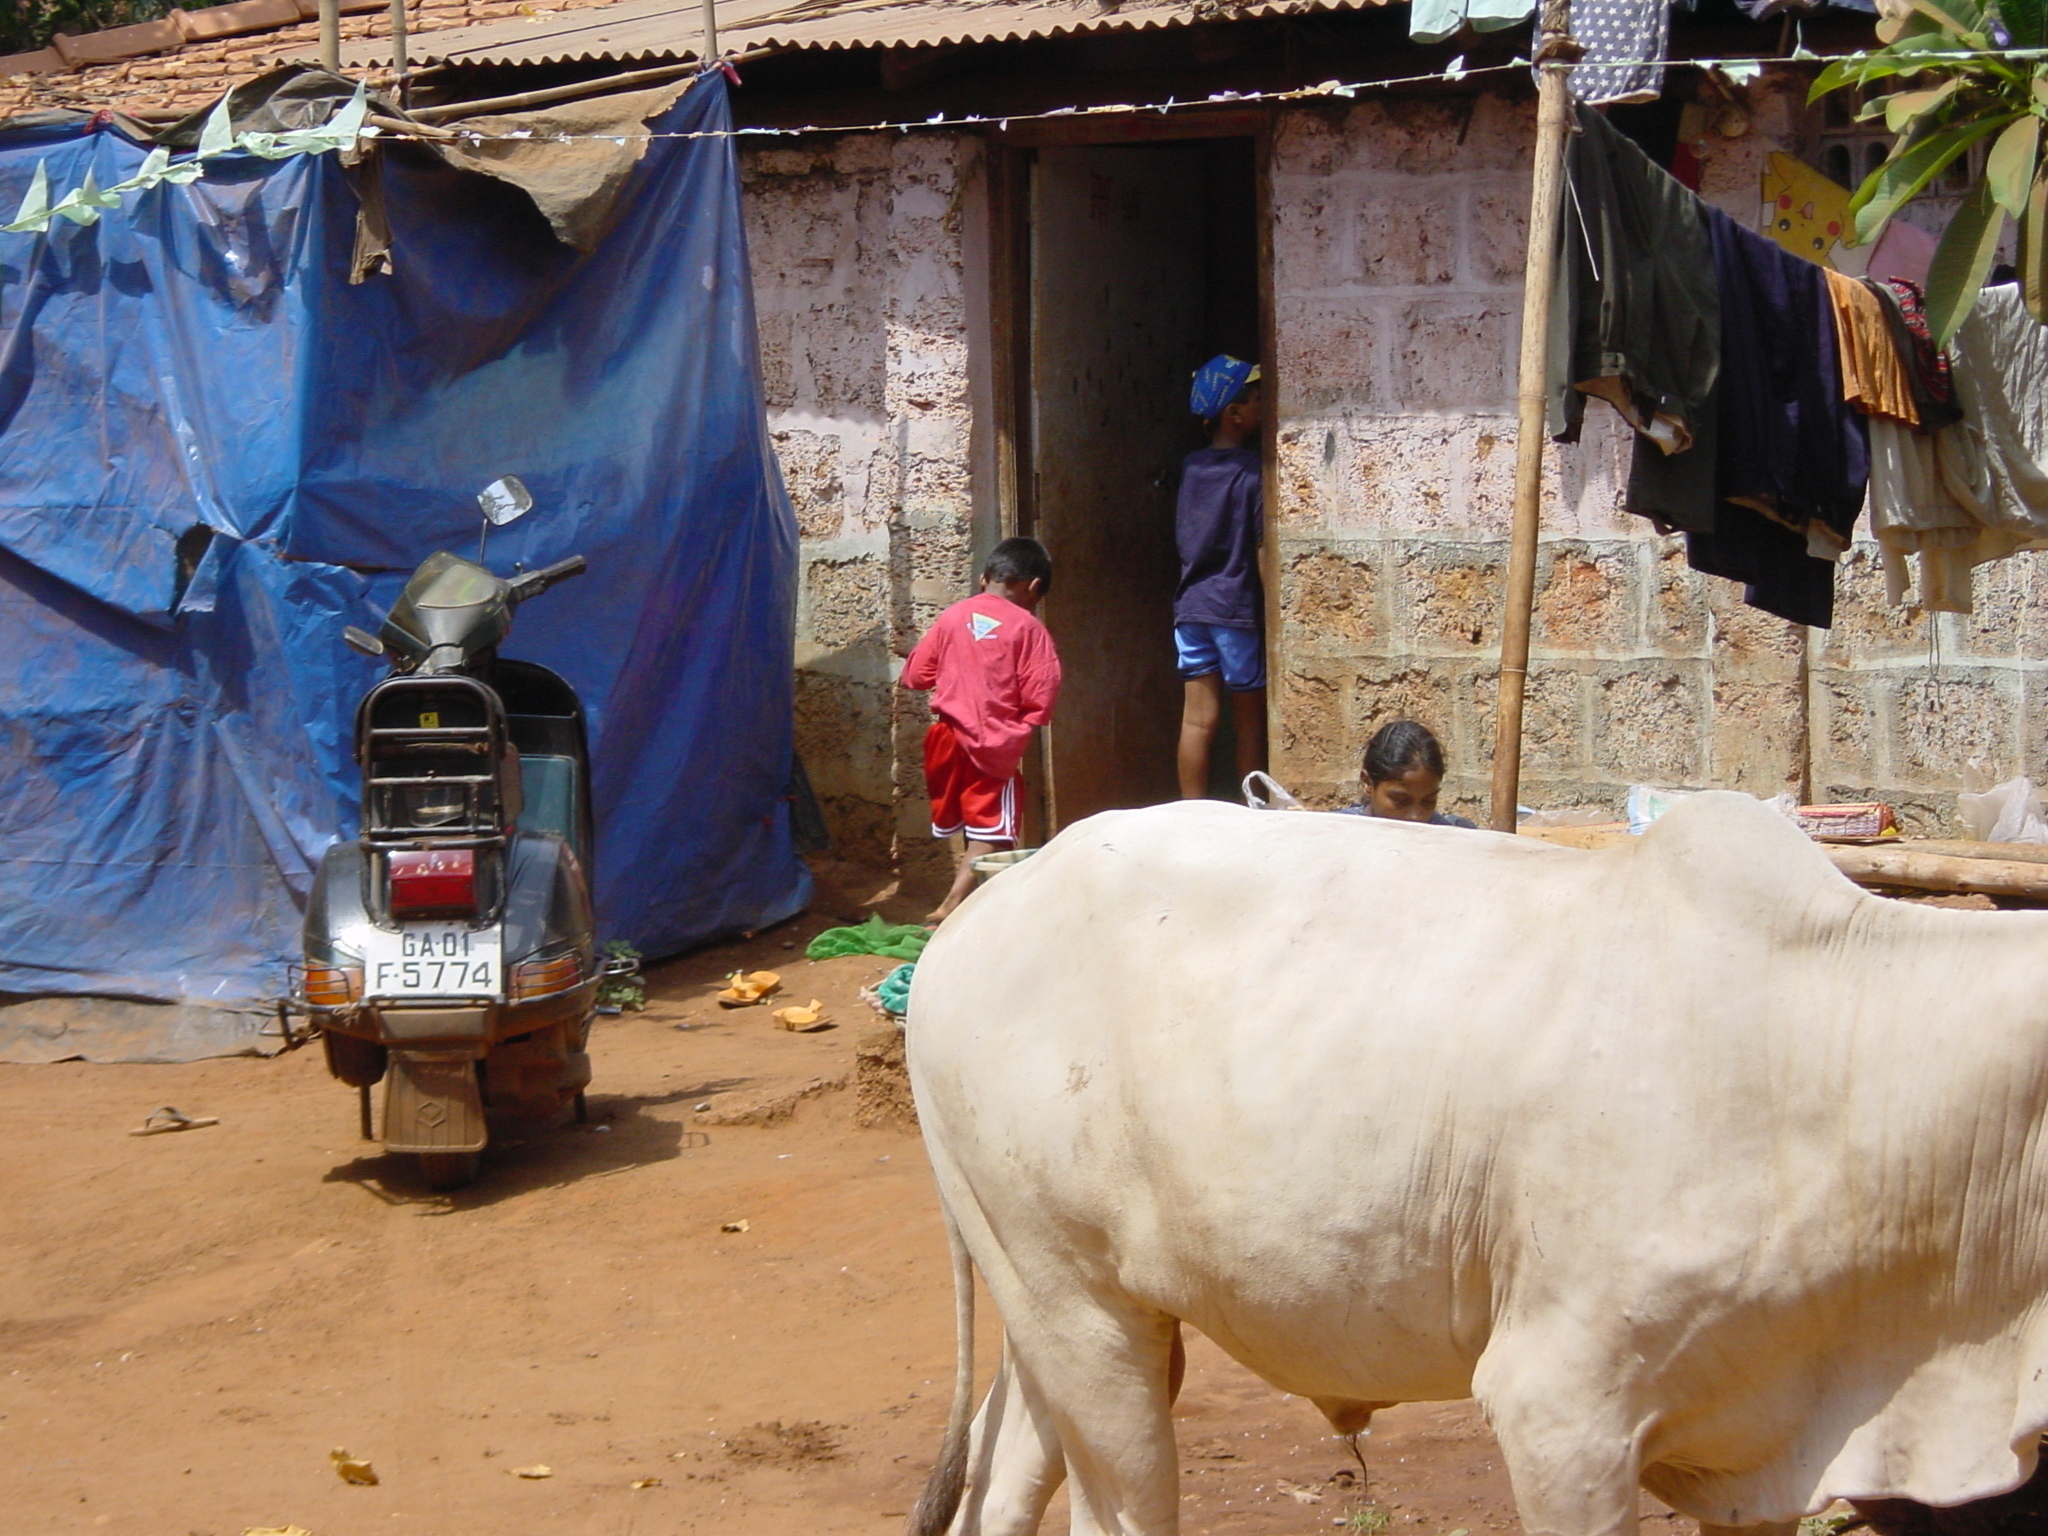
<point>1873,377</point>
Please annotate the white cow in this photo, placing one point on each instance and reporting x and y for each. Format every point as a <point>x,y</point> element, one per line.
<point>1696,1165</point>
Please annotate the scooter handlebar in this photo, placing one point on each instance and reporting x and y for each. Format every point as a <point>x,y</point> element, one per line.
<point>533,583</point>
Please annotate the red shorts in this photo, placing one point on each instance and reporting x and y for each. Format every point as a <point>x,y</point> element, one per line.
<point>964,799</point>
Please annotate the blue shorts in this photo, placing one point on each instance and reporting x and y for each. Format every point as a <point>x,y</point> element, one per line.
<point>1239,654</point>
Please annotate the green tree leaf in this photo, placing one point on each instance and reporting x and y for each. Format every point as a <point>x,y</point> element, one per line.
<point>1904,108</point>
<point>1900,179</point>
<point>2033,252</point>
<point>1956,274</point>
<point>2009,168</point>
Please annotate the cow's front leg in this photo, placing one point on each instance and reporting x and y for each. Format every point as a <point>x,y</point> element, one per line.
<point>1572,1444</point>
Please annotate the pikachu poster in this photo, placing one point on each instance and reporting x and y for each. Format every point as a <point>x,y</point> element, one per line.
<point>1804,211</point>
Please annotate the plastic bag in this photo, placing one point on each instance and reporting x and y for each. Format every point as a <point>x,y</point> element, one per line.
<point>2007,813</point>
<point>1646,803</point>
<point>1564,816</point>
<point>1262,792</point>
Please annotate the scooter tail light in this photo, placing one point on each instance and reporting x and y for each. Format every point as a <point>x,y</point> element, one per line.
<point>332,986</point>
<point>541,976</point>
<point>433,882</point>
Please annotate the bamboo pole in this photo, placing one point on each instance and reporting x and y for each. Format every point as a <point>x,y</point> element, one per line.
<point>330,36</point>
<point>398,46</point>
<point>1555,54</point>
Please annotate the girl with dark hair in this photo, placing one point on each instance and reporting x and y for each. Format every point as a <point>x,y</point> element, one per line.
<point>1402,775</point>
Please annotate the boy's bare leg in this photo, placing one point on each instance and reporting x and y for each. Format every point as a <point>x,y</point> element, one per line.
<point>963,877</point>
<point>1201,710</point>
<point>1249,720</point>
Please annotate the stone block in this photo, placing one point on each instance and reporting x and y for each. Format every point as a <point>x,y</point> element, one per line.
<point>860,828</point>
<point>1553,723</point>
<point>1385,690</point>
<point>1455,354</point>
<point>811,471</point>
<point>1759,737</point>
<point>1328,354</point>
<point>1496,232</point>
<point>1311,737</point>
<point>1310,141</point>
<point>1397,474</point>
<point>1678,602</point>
<point>1311,234</point>
<point>846,604</point>
<point>1747,639</point>
<point>1329,599</point>
<point>1585,598</point>
<point>1405,238</point>
<point>1845,727</point>
<point>1942,719</point>
<point>1920,815</point>
<point>1867,627</point>
<point>1649,724</point>
<point>1447,595</point>
<point>1416,137</point>
<point>844,732</point>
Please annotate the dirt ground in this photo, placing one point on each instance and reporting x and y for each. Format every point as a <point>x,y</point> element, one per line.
<point>190,1323</point>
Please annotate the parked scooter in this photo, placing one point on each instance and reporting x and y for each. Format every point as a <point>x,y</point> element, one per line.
<point>449,951</point>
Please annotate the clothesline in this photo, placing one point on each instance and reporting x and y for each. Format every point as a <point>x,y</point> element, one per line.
<point>1741,70</point>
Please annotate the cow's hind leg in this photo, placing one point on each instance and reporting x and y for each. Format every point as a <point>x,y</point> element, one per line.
<point>1013,1456</point>
<point>1100,1365</point>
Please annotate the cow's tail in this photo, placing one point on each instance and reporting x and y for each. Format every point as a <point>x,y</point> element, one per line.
<point>941,1499</point>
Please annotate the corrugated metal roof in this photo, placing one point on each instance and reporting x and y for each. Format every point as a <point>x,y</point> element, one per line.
<point>669,29</point>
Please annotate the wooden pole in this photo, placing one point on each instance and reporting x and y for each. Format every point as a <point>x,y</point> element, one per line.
<point>1555,54</point>
<point>710,50</point>
<point>330,36</point>
<point>398,46</point>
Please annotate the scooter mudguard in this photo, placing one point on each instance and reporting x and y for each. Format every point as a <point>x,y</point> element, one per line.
<point>433,1103</point>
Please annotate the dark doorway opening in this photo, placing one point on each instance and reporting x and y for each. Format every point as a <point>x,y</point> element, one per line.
<point>1143,263</point>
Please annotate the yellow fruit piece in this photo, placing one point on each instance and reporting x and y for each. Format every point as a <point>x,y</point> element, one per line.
<point>744,987</point>
<point>353,1469</point>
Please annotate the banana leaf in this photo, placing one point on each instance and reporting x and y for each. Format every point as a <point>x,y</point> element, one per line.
<point>2033,252</point>
<point>1900,179</point>
<point>1956,275</point>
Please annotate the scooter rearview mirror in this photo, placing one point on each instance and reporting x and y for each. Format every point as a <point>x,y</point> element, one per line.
<point>504,501</point>
<point>362,640</point>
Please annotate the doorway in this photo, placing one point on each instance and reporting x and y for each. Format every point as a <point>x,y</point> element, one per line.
<point>1143,262</point>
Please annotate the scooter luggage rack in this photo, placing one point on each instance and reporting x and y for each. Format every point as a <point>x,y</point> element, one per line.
<point>393,802</point>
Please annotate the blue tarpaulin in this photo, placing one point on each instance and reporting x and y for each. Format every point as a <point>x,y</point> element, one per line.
<point>215,451</point>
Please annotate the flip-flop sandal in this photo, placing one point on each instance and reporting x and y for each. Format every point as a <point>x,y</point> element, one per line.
<point>169,1119</point>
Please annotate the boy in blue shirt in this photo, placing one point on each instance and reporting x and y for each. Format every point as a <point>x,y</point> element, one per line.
<point>1219,607</point>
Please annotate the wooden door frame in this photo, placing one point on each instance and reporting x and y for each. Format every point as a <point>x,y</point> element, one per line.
<point>1009,154</point>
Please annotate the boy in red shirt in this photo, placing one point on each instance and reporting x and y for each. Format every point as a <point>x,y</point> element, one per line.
<point>993,675</point>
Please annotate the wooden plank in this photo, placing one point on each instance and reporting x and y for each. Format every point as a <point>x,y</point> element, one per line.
<point>1904,868</point>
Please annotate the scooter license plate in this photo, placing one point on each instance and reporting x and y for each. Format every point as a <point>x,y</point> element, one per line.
<point>434,960</point>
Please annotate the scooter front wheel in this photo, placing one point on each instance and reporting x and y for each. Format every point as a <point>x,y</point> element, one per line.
<point>441,1171</point>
